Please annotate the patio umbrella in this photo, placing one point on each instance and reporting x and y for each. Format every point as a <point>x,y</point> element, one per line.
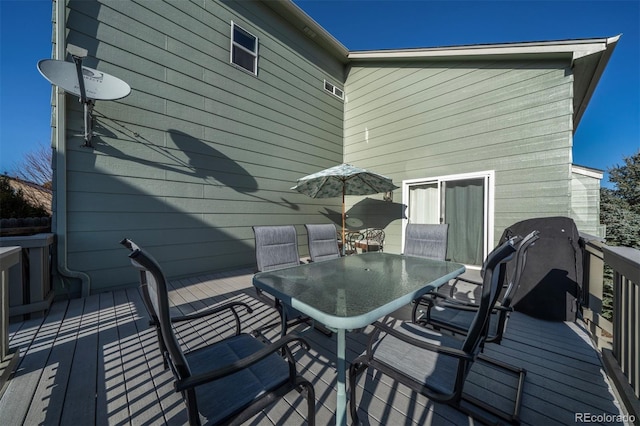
<point>342,180</point>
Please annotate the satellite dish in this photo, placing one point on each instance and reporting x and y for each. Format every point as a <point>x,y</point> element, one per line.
<point>98,85</point>
<point>85,82</point>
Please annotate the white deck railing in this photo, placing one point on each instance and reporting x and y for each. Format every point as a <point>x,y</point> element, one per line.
<point>30,291</point>
<point>9,257</point>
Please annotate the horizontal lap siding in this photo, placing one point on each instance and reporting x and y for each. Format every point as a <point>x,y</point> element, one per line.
<point>200,150</point>
<point>427,119</point>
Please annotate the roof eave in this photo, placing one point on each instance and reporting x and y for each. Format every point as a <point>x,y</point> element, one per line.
<point>575,48</point>
<point>293,14</point>
<point>592,75</point>
<point>579,52</point>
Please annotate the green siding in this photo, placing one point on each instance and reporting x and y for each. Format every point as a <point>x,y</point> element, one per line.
<point>201,150</point>
<point>432,118</point>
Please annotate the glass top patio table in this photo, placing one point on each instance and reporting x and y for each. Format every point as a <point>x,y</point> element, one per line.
<point>354,291</point>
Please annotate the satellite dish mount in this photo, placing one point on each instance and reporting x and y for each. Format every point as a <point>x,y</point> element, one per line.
<point>78,54</point>
<point>85,82</point>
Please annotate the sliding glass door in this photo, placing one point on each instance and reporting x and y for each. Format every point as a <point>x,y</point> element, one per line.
<point>464,202</point>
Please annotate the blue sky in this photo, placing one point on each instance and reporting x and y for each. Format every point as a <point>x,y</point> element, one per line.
<point>609,130</point>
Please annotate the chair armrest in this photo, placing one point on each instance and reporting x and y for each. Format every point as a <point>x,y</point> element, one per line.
<point>457,353</point>
<point>430,299</point>
<point>215,310</point>
<point>466,280</point>
<point>241,364</point>
<point>211,311</point>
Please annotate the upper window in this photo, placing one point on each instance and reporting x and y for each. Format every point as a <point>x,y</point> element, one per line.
<point>244,49</point>
<point>333,90</point>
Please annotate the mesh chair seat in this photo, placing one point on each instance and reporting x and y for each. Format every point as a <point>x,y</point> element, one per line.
<point>224,396</point>
<point>420,365</point>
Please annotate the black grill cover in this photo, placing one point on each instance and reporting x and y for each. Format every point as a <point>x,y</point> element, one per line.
<point>551,283</point>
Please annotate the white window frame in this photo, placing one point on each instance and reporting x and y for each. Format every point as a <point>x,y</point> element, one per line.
<point>244,49</point>
<point>335,90</point>
<point>489,201</point>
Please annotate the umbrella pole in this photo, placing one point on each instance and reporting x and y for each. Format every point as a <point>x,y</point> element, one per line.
<point>343,214</point>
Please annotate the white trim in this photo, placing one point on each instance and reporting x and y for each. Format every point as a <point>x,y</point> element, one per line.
<point>585,171</point>
<point>490,179</point>
<point>252,53</point>
<point>575,48</point>
<point>59,141</point>
<point>334,89</point>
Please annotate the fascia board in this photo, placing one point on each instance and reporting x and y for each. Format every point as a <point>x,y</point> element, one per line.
<point>587,171</point>
<point>575,48</point>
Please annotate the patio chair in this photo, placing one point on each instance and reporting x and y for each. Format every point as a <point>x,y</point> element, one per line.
<point>454,315</point>
<point>229,381</point>
<point>276,248</point>
<point>426,240</point>
<point>351,238</point>
<point>430,363</point>
<point>323,244</point>
<point>374,239</point>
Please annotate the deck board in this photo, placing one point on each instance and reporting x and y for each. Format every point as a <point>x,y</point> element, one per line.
<point>96,361</point>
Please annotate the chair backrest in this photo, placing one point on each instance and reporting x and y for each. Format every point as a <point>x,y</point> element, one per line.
<point>426,240</point>
<point>518,267</point>
<point>374,234</point>
<point>276,247</point>
<point>494,271</point>
<point>155,282</point>
<point>351,238</point>
<point>323,244</point>
<point>144,288</point>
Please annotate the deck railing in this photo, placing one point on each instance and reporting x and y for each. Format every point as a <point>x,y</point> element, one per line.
<point>30,292</point>
<point>619,338</point>
<point>9,257</point>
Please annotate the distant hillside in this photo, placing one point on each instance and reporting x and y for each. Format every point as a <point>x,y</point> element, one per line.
<point>35,194</point>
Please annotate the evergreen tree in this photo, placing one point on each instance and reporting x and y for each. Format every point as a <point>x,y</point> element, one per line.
<point>620,207</point>
<point>620,212</point>
<point>14,205</point>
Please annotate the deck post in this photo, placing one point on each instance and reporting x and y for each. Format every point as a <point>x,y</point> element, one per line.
<point>9,256</point>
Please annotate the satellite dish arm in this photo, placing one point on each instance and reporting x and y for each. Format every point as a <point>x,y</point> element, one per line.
<point>87,103</point>
<point>83,93</point>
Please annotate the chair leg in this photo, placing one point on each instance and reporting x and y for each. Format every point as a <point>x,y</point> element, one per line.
<point>311,405</point>
<point>193,415</point>
<point>355,370</point>
<point>514,417</point>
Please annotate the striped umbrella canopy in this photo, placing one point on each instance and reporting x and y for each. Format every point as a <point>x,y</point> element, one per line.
<point>342,180</point>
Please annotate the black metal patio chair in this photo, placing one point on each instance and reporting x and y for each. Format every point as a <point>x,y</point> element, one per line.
<point>374,240</point>
<point>431,363</point>
<point>352,238</point>
<point>448,313</point>
<point>229,381</point>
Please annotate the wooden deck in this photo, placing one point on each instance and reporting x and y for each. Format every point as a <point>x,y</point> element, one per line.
<point>96,361</point>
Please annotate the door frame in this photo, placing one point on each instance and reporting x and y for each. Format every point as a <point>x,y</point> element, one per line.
<point>489,201</point>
